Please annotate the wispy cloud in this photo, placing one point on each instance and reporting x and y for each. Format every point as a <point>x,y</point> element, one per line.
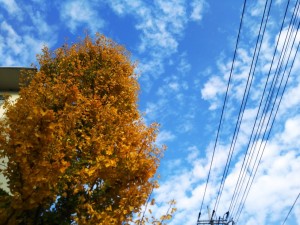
<point>18,49</point>
<point>212,89</point>
<point>276,179</point>
<point>20,44</point>
<point>164,136</point>
<point>197,9</point>
<point>174,98</point>
<point>11,7</point>
<point>161,26</point>
<point>81,14</point>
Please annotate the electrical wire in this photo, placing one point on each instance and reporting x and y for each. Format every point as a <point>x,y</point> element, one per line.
<point>244,100</point>
<point>260,130</point>
<point>269,102</point>
<point>265,143</point>
<point>266,114</point>
<point>224,104</point>
<point>272,123</point>
<point>246,162</point>
<point>291,209</point>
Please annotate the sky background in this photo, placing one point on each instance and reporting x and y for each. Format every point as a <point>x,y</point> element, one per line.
<point>184,50</point>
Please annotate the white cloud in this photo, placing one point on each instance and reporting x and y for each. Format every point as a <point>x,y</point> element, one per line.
<point>278,2</point>
<point>17,50</point>
<point>186,126</point>
<point>81,13</point>
<point>257,9</point>
<point>39,23</point>
<point>291,132</point>
<point>161,26</point>
<point>20,44</point>
<point>11,7</point>
<point>197,11</point>
<point>276,183</point>
<point>212,89</point>
<point>291,98</point>
<point>164,136</point>
<point>284,35</point>
<point>12,47</point>
<point>159,23</point>
<point>174,86</point>
<point>184,66</point>
<point>155,110</point>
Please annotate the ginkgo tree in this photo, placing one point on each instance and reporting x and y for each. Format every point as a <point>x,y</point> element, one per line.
<point>77,148</point>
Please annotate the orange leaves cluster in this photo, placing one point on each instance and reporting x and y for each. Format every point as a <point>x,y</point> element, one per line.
<point>76,146</point>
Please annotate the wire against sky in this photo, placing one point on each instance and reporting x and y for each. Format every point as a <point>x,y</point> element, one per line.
<point>241,174</point>
<point>224,104</point>
<point>247,160</point>
<point>245,195</point>
<point>269,102</point>
<point>291,209</point>
<point>254,61</point>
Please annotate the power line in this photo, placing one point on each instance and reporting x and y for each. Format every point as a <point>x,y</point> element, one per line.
<point>241,177</point>
<point>246,192</point>
<point>260,151</point>
<point>242,205</point>
<point>261,39</point>
<point>291,209</point>
<point>224,104</point>
<point>244,101</point>
<point>267,116</point>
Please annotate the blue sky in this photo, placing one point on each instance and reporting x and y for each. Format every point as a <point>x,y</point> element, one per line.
<point>185,51</point>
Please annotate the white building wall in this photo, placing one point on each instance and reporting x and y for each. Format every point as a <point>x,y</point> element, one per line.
<point>3,161</point>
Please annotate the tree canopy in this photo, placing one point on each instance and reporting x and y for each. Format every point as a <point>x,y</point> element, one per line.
<point>77,147</point>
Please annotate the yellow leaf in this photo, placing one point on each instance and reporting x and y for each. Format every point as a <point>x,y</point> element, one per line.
<point>84,134</point>
<point>152,202</point>
<point>31,201</point>
<point>76,190</point>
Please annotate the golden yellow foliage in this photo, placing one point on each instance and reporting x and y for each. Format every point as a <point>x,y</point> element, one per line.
<point>77,148</point>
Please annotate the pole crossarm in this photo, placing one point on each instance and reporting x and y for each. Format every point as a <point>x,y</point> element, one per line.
<point>218,221</point>
<point>215,222</point>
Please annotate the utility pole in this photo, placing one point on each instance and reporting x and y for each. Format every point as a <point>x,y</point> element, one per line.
<point>215,221</point>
